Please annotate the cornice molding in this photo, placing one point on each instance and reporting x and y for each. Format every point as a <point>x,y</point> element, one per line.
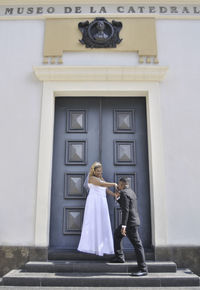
<point>94,2</point>
<point>100,73</point>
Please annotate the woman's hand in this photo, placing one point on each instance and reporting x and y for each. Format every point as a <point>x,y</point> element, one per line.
<point>115,185</point>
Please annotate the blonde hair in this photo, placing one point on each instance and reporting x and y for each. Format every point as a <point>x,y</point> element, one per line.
<point>93,167</point>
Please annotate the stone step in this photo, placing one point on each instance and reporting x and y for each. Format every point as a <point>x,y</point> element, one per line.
<point>89,288</point>
<point>20,278</point>
<point>96,266</point>
<point>62,254</point>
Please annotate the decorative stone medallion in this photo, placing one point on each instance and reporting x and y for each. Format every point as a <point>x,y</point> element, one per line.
<point>100,33</point>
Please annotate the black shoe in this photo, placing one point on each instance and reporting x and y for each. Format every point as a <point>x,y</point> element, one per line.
<point>117,260</point>
<point>139,273</point>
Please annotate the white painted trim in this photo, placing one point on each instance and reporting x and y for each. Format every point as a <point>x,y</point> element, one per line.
<point>118,88</point>
<point>108,15</point>
<point>95,2</point>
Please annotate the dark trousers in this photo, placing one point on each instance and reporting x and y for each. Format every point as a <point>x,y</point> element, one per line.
<point>133,236</point>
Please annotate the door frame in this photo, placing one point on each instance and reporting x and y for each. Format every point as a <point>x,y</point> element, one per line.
<point>62,81</point>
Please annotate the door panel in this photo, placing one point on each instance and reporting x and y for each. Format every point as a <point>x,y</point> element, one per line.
<point>110,130</point>
<point>76,146</point>
<point>124,132</point>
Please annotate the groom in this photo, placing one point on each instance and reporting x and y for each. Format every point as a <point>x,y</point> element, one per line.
<point>130,222</point>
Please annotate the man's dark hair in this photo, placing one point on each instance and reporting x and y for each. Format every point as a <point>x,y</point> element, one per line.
<point>124,180</point>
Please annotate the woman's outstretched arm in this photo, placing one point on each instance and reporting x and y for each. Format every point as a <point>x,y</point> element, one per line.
<point>96,181</point>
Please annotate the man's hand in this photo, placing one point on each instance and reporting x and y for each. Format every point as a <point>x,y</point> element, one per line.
<point>116,186</point>
<point>123,231</point>
<point>117,195</point>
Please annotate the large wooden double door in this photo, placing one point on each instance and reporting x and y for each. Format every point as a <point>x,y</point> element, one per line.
<point>112,131</point>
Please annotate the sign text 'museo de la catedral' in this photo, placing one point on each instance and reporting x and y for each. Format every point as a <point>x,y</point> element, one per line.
<point>167,10</point>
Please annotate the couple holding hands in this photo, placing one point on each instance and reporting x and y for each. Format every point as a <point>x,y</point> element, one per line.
<point>96,237</point>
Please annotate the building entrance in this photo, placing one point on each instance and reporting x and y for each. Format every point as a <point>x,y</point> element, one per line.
<point>112,131</point>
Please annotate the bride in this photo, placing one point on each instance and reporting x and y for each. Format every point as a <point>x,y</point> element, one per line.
<point>96,236</point>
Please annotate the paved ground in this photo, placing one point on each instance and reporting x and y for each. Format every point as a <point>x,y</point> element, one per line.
<point>98,288</point>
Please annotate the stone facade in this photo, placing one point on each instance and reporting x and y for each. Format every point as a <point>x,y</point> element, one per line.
<point>184,257</point>
<point>15,257</point>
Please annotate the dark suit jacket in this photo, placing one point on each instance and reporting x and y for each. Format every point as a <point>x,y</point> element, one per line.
<point>128,204</point>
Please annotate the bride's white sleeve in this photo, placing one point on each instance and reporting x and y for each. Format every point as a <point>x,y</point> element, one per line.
<point>85,184</point>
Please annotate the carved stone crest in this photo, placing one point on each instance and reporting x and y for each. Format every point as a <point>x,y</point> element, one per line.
<point>100,33</point>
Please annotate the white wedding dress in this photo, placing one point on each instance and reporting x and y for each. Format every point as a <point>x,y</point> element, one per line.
<point>96,236</point>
